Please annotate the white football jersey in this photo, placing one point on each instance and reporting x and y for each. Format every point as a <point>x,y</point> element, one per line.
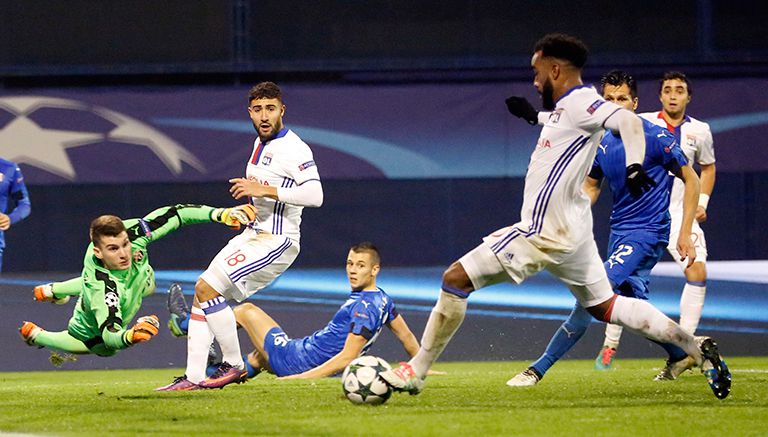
<point>695,139</point>
<point>285,161</point>
<point>556,213</point>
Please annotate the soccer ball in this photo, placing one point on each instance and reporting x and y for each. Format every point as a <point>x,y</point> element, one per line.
<point>362,383</point>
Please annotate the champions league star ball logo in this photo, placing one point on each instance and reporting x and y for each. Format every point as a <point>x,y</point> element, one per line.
<point>26,138</point>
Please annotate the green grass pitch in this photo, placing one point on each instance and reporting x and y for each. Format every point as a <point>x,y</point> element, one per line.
<point>471,400</point>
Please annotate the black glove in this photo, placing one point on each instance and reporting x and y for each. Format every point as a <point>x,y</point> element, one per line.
<point>638,181</point>
<point>520,107</point>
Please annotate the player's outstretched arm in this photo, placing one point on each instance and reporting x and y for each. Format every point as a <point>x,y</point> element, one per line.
<point>353,346</point>
<point>685,246</point>
<point>59,292</point>
<point>708,172</point>
<point>400,328</point>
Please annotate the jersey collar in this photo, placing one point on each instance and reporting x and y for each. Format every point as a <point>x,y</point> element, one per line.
<point>572,90</point>
<point>671,128</point>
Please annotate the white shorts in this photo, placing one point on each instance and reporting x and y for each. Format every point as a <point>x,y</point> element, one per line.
<point>249,262</point>
<point>500,258</point>
<point>697,236</point>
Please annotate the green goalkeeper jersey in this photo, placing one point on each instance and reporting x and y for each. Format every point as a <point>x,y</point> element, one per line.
<point>110,299</point>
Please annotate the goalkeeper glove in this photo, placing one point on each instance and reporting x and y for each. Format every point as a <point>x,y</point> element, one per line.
<point>145,328</point>
<point>521,107</point>
<point>638,180</point>
<point>236,216</point>
<point>44,293</point>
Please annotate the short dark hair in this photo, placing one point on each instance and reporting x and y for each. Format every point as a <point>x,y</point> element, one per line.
<point>367,246</point>
<point>265,90</point>
<point>105,226</point>
<point>562,46</point>
<point>618,78</point>
<point>672,75</point>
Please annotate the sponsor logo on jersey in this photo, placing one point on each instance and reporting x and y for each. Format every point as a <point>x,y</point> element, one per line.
<point>145,228</point>
<point>361,315</point>
<point>306,165</point>
<point>267,159</point>
<point>596,104</point>
<point>543,142</point>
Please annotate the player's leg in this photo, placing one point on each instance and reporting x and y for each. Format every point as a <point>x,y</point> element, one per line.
<point>239,270</point>
<point>257,323</point>
<point>695,288</point>
<point>566,336</point>
<point>61,340</point>
<point>479,268</point>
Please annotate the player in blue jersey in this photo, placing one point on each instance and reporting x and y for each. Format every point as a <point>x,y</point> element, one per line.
<point>349,334</point>
<point>640,226</point>
<point>12,188</point>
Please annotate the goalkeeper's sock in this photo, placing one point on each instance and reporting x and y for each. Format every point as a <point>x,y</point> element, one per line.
<point>221,321</point>
<point>444,321</point>
<point>199,339</point>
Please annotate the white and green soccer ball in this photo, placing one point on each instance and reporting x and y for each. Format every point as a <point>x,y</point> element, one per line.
<point>362,383</point>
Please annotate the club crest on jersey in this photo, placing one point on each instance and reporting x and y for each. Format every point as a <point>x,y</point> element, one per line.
<point>267,159</point>
<point>306,165</point>
<point>690,140</point>
<point>596,104</point>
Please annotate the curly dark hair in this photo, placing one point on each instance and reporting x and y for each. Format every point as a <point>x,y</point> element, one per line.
<point>562,46</point>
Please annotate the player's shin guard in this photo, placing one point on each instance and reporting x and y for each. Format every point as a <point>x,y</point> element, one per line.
<point>199,339</point>
<point>221,321</point>
<point>444,321</point>
<point>691,305</point>
<point>643,318</point>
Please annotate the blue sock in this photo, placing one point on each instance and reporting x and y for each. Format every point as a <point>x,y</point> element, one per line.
<point>250,369</point>
<point>675,353</point>
<point>184,324</point>
<point>564,339</point>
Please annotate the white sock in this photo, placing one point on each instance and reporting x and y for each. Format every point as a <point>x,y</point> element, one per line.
<point>221,321</point>
<point>199,339</point>
<point>612,335</point>
<point>444,321</point>
<point>643,318</point>
<point>691,305</point>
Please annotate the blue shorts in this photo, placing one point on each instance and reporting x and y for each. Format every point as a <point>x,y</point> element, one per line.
<point>632,256</point>
<point>286,356</point>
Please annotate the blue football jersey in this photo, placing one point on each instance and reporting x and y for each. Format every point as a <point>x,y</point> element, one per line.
<point>12,189</point>
<point>364,313</point>
<point>650,211</point>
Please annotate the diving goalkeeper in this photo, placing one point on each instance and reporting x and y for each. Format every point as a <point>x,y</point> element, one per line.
<point>115,279</point>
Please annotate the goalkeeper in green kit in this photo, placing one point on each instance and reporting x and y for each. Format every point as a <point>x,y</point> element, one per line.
<point>116,277</point>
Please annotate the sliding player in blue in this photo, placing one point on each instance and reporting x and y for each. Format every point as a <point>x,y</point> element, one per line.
<point>640,227</point>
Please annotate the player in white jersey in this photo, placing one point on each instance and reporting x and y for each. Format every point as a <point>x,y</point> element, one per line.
<point>695,138</point>
<point>555,230</point>
<point>281,179</point>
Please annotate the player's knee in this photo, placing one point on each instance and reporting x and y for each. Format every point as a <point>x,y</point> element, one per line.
<point>203,291</point>
<point>243,310</point>
<point>696,272</point>
<point>455,277</point>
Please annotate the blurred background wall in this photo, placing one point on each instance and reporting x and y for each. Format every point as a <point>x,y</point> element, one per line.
<point>120,107</point>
